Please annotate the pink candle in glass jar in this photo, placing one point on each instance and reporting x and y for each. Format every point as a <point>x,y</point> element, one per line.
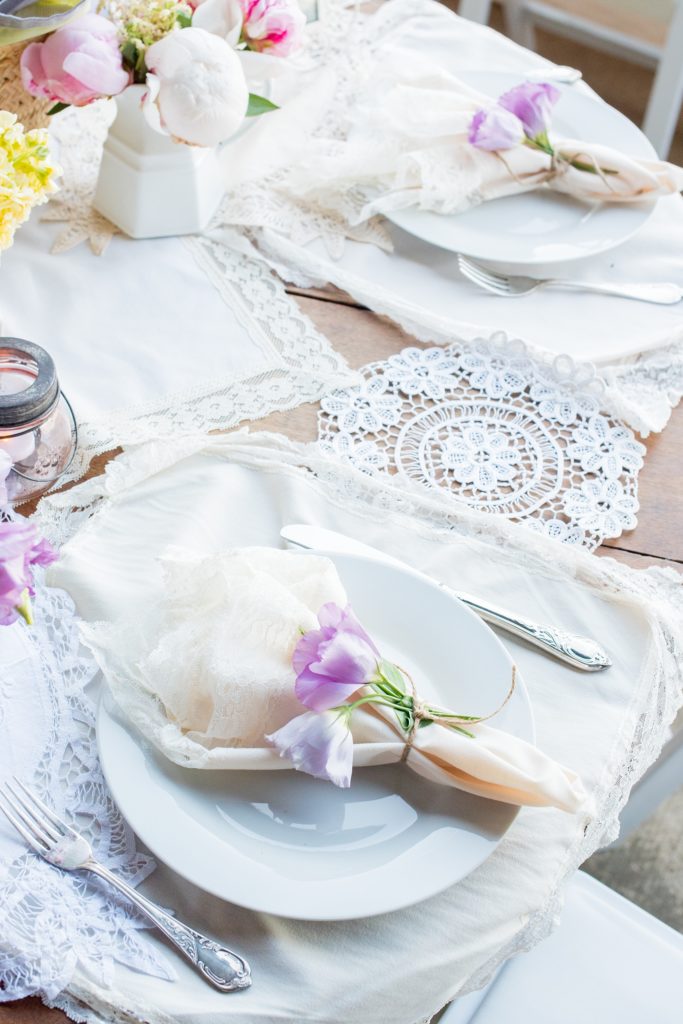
<point>16,376</point>
<point>37,428</point>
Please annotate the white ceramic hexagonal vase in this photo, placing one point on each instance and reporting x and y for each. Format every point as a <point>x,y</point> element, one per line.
<point>149,185</point>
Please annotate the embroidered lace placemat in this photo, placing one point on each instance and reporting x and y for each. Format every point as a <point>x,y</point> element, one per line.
<point>408,964</point>
<point>54,924</point>
<point>150,340</point>
<point>489,425</point>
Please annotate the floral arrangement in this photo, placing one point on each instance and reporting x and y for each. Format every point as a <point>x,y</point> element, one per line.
<point>27,174</point>
<point>20,550</point>
<point>332,664</point>
<point>522,116</point>
<point>194,57</point>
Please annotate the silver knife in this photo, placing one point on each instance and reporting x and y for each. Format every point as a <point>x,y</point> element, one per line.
<point>578,651</point>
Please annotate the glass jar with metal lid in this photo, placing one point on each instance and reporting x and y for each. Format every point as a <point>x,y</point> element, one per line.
<point>38,433</point>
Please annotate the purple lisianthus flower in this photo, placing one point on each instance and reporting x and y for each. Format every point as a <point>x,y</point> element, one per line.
<point>494,129</point>
<point>532,103</point>
<point>334,661</point>
<point>20,549</point>
<point>318,744</point>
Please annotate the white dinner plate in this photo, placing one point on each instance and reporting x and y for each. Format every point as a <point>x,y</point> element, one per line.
<point>285,843</point>
<point>542,226</point>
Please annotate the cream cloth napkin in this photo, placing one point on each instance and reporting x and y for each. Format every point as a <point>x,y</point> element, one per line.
<point>409,147</point>
<point>207,674</point>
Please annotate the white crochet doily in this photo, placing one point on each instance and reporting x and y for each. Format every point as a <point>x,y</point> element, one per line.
<point>53,923</point>
<point>497,430</point>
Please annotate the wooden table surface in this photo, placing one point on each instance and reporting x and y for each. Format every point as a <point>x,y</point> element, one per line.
<point>362,336</point>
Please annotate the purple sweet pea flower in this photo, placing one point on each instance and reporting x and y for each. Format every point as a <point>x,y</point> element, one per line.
<point>319,744</point>
<point>20,549</point>
<point>334,661</point>
<point>532,103</point>
<point>495,129</point>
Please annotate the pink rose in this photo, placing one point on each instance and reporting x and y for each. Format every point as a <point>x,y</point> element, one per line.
<point>76,64</point>
<point>272,26</point>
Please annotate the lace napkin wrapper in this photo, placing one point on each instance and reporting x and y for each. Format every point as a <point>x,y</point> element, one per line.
<point>207,674</point>
<point>409,147</point>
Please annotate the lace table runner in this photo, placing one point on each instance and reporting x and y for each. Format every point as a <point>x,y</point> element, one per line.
<point>638,347</point>
<point>152,338</point>
<point>405,965</point>
<point>497,430</point>
<point>54,924</point>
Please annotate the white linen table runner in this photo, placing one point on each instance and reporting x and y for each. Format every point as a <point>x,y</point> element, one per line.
<point>400,967</point>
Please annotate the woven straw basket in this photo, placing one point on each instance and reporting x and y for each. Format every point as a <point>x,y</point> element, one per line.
<point>30,111</point>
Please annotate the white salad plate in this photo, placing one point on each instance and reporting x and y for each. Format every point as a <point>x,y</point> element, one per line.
<point>542,226</point>
<point>285,843</point>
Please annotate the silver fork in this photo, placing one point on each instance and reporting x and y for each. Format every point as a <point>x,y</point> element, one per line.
<point>63,847</point>
<point>514,287</point>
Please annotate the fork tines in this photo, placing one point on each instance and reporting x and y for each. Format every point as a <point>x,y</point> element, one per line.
<point>32,819</point>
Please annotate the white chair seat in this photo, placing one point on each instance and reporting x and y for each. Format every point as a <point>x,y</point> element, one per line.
<point>608,962</point>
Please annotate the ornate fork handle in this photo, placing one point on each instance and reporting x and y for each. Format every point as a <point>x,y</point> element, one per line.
<point>223,968</point>
<point>578,651</point>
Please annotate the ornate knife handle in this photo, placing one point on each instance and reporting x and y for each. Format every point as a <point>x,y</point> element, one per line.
<point>578,651</point>
<point>221,967</point>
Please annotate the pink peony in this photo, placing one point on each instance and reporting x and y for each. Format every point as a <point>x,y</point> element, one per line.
<point>76,64</point>
<point>272,26</point>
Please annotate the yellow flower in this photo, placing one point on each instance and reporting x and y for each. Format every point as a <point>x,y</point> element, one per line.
<point>27,174</point>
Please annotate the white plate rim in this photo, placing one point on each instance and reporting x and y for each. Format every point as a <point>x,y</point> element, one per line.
<point>421,888</point>
<point>405,219</point>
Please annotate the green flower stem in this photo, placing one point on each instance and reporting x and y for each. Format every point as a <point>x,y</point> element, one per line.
<point>580,165</point>
<point>542,142</point>
<point>24,608</point>
<point>385,692</point>
<point>370,699</point>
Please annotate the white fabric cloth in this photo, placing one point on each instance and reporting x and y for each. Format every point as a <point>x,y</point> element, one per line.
<point>207,675</point>
<point>54,924</point>
<point>150,339</point>
<point>609,961</point>
<point>416,284</point>
<point>409,146</point>
<point>404,966</point>
<point>419,285</point>
<point>206,672</point>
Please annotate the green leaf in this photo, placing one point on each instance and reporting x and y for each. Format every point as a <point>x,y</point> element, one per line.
<point>57,107</point>
<point>259,105</point>
<point>392,674</point>
<point>129,53</point>
<point>183,19</point>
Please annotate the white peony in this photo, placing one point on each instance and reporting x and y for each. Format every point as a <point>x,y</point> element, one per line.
<point>196,89</point>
